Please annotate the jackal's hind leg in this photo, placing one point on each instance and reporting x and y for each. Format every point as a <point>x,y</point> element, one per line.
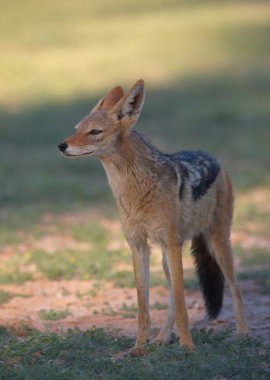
<point>140,258</point>
<point>177,280</point>
<point>223,253</point>
<point>164,335</point>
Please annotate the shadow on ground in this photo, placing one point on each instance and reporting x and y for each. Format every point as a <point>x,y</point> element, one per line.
<point>225,114</point>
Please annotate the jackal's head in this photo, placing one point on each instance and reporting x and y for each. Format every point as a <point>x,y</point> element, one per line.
<point>102,131</point>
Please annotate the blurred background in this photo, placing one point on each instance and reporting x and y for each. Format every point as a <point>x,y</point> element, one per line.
<point>206,65</point>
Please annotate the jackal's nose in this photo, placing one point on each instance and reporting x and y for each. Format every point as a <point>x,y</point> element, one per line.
<point>62,146</point>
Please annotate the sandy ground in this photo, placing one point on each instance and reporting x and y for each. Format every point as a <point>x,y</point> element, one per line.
<point>105,308</point>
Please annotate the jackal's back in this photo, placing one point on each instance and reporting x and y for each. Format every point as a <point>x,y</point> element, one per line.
<point>198,171</point>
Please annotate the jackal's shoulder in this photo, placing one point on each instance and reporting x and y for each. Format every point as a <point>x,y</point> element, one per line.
<point>198,171</point>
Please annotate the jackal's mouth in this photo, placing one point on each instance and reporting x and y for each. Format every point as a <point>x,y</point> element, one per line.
<point>78,155</point>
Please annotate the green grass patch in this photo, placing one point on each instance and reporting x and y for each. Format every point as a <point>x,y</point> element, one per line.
<point>191,281</point>
<point>125,311</point>
<point>87,355</point>
<point>249,211</point>
<point>158,279</point>
<point>53,315</point>
<point>253,256</point>
<point>129,311</point>
<point>159,306</point>
<point>220,104</point>
<point>123,279</point>
<point>15,270</point>
<point>192,101</point>
<point>93,233</point>
<point>95,264</point>
<point>15,276</point>
<point>108,311</point>
<point>261,277</point>
<point>6,296</point>
<point>211,94</point>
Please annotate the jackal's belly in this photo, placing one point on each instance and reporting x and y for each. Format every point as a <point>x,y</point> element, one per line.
<point>165,213</point>
<point>157,227</point>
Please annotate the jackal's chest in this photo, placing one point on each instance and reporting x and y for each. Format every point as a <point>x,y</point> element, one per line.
<point>147,227</point>
<point>148,219</point>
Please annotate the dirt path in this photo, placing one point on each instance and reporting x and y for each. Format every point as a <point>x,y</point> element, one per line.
<point>110,307</point>
<point>113,308</point>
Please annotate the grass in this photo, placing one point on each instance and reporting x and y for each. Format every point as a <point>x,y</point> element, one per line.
<point>11,276</point>
<point>162,41</point>
<point>206,67</point>
<point>90,264</point>
<point>260,276</point>
<point>125,311</point>
<point>67,356</point>
<point>68,264</point>
<point>218,104</point>
<point>253,256</point>
<point>159,306</point>
<point>53,315</point>
<point>6,296</point>
<point>256,264</point>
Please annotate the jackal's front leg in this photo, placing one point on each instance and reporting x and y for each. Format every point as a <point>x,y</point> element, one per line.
<point>140,258</point>
<point>174,253</point>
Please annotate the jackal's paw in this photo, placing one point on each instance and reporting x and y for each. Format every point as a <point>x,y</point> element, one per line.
<point>189,346</point>
<point>137,351</point>
<point>161,340</point>
<point>134,352</point>
<point>243,330</point>
<point>120,355</point>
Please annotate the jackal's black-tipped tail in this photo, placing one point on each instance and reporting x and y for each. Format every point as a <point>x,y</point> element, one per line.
<point>210,276</point>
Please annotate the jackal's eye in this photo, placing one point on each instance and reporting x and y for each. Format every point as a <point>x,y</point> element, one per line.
<point>95,132</point>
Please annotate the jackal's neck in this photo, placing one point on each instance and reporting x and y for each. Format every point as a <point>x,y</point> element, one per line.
<point>133,165</point>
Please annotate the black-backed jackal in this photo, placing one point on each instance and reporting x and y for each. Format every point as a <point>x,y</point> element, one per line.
<point>165,199</point>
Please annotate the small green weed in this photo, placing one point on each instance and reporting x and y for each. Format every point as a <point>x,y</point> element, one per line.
<point>53,315</point>
<point>123,279</point>
<point>6,296</point>
<point>109,312</point>
<point>159,306</point>
<point>15,276</point>
<point>128,311</point>
<point>92,293</point>
<point>158,279</point>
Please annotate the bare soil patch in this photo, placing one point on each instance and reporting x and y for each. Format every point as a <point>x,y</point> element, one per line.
<point>108,306</point>
<point>103,307</point>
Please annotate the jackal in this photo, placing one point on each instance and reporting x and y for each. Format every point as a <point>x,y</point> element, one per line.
<point>163,199</point>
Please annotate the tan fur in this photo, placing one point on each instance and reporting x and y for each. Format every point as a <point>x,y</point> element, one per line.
<point>146,188</point>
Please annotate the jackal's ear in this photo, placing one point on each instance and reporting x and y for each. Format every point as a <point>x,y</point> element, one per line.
<point>128,109</point>
<point>109,100</point>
